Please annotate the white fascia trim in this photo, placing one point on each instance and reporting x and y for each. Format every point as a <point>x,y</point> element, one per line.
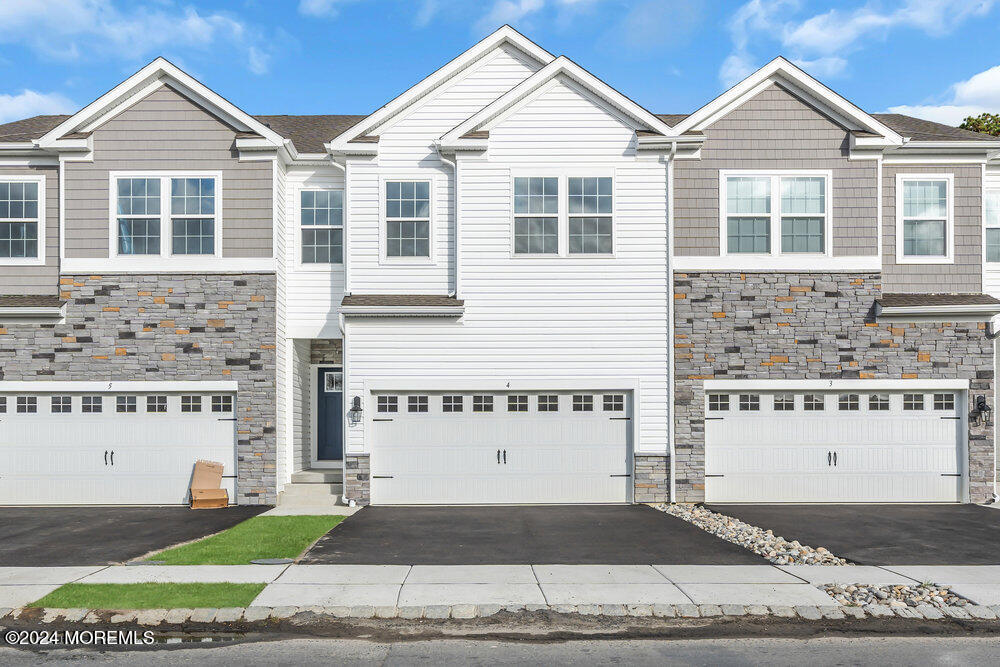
<point>805,263</point>
<point>833,385</point>
<point>155,74</point>
<point>176,264</point>
<point>985,308</point>
<point>403,311</point>
<point>8,386</point>
<point>29,161</point>
<point>781,70</point>
<point>410,96</point>
<point>562,65</point>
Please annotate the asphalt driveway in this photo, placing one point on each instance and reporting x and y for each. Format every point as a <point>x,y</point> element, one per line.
<point>50,536</point>
<point>885,534</point>
<point>565,534</point>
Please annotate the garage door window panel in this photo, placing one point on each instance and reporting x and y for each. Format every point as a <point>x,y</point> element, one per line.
<point>517,403</point>
<point>156,404</point>
<point>222,404</point>
<point>417,403</point>
<point>583,403</point>
<point>913,401</point>
<point>614,402</point>
<point>3,404</point>
<point>813,402</point>
<point>27,404</point>
<point>61,404</point>
<point>548,403</point>
<point>749,402</point>
<point>718,402</point>
<point>388,403</point>
<point>92,404</point>
<point>125,404</point>
<point>190,403</point>
<point>944,401</point>
<point>451,403</point>
<point>878,402</point>
<point>849,402</point>
<point>784,402</point>
<point>482,403</point>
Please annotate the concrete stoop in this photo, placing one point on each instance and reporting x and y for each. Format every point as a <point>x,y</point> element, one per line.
<point>199,618</point>
<point>313,488</point>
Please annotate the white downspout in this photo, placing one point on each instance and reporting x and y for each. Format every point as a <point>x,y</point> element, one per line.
<point>454,202</point>
<point>670,320</point>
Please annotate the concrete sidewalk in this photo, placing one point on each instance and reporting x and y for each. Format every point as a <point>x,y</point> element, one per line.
<point>448,585</point>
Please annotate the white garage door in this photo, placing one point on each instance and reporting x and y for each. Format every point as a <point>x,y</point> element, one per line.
<point>477,448</point>
<point>846,446</point>
<point>116,449</point>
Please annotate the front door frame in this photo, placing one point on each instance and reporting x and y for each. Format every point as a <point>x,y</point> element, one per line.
<point>314,462</point>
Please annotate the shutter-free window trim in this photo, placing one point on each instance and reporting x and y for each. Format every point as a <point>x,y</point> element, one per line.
<point>22,220</point>
<point>912,219</point>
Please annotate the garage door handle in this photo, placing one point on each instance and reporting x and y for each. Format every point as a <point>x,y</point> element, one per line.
<point>105,457</point>
<point>112,457</point>
<point>505,457</point>
<point>625,475</point>
<point>714,475</point>
<point>829,457</point>
<point>381,476</point>
<point>498,457</point>
<point>835,458</point>
<point>950,417</point>
<point>226,419</point>
<point>951,474</point>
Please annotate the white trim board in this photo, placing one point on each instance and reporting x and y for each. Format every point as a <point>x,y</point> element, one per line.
<point>782,263</point>
<point>176,264</point>
<point>118,385</point>
<point>834,385</point>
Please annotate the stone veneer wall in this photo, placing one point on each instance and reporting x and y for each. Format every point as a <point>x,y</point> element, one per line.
<point>166,327</point>
<point>803,326</point>
<point>652,478</point>
<point>357,478</point>
<point>326,351</point>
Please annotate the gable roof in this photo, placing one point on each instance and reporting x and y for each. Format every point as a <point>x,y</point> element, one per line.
<point>151,77</point>
<point>504,35</point>
<point>560,67</point>
<point>779,70</point>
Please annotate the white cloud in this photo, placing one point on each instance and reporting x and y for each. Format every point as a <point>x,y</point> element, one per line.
<point>92,29</point>
<point>977,94</point>
<point>428,10</point>
<point>820,43</point>
<point>327,8</point>
<point>507,11</point>
<point>32,103</point>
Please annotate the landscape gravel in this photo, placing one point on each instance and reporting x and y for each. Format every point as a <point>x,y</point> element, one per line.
<point>765,543</point>
<point>896,597</point>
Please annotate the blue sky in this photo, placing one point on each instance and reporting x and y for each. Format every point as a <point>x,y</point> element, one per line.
<point>937,59</point>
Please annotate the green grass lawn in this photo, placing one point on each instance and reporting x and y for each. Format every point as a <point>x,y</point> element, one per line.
<point>259,537</point>
<point>150,596</point>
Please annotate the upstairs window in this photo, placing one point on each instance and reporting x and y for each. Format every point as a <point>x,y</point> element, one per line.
<point>185,207</point>
<point>924,221</point>
<point>322,218</point>
<point>590,205</point>
<point>791,206</point>
<point>536,216</point>
<point>20,221</point>
<point>992,224</point>
<point>408,219</point>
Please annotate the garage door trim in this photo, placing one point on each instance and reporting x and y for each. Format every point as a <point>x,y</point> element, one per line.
<point>795,385</point>
<point>130,386</point>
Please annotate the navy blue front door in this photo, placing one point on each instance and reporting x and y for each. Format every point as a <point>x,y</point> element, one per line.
<point>330,414</point>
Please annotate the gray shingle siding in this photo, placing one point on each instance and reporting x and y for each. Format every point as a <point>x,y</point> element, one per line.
<point>164,132</point>
<point>775,130</point>
<point>24,279</point>
<point>966,274</point>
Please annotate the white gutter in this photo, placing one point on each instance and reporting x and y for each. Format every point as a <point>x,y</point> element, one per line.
<point>402,311</point>
<point>458,232</point>
<point>987,309</point>
<point>33,311</point>
<point>670,323</point>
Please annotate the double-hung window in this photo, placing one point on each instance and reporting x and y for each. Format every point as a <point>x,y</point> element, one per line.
<point>21,220</point>
<point>924,218</point>
<point>322,218</point>
<point>536,215</point>
<point>407,219</point>
<point>590,215</point>
<point>775,213</point>
<point>184,208</point>
<point>992,223</point>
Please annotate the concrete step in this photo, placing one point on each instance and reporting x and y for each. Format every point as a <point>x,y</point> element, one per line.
<point>318,476</point>
<point>310,493</point>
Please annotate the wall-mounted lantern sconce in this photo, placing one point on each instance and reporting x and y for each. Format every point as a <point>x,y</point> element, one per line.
<point>354,414</point>
<point>980,414</point>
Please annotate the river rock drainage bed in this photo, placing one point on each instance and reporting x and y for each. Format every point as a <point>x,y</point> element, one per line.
<point>894,596</point>
<point>762,542</point>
